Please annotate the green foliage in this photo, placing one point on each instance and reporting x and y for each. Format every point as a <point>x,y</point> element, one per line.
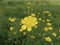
<point>17,9</point>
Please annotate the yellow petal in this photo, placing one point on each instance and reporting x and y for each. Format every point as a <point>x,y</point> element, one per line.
<point>11,28</point>
<point>33,14</point>
<point>54,34</point>
<point>21,30</point>
<point>49,14</point>
<point>24,33</point>
<point>12,19</point>
<point>48,20</point>
<point>48,39</point>
<point>29,29</point>
<point>49,24</point>
<point>23,27</point>
<point>40,19</point>
<point>46,29</point>
<point>50,28</point>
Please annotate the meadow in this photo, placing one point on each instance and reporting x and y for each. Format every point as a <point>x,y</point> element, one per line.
<point>42,26</point>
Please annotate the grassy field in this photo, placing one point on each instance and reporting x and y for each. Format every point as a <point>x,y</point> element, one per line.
<point>38,35</point>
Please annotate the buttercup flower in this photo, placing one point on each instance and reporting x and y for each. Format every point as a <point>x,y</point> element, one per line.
<point>11,28</point>
<point>24,33</point>
<point>54,34</point>
<point>59,30</point>
<point>49,24</point>
<point>29,3</point>
<point>40,19</point>
<point>43,20</point>
<point>48,39</point>
<point>46,11</point>
<point>49,14</point>
<point>28,22</point>
<point>33,37</point>
<point>12,19</point>
<point>33,14</point>
<point>48,28</point>
<point>48,20</point>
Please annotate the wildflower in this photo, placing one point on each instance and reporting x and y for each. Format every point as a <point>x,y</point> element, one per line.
<point>28,23</point>
<point>49,24</point>
<point>35,26</point>
<point>11,28</point>
<point>49,14</point>
<point>29,3</point>
<point>54,34</point>
<point>12,19</point>
<point>59,30</point>
<point>48,20</point>
<point>33,37</point>
<point>33,14</point>
<point>21,30</point>
<point>23,27</point>
<point>46,12</point>
<point>50,28</point>
<point>48,39</point>
<point>29,29</point>
<point>24,33</point>
<point>38,13</point>
<point>46,28</point>
<point>43,20</point>
<point>28,7</point>
<point>40,19</point>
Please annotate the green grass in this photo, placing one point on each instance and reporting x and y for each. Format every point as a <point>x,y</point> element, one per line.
<point>15,9</point>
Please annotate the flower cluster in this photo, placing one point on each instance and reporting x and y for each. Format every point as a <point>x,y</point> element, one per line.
<point>28,22</point>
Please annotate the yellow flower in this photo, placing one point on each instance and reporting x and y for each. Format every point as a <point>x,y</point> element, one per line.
<point>33,37</point>
<point>38,13</point>
<point>28,23</point>
<point>43,20</point>
<point>48,20</point>
<point>29,29</point>
<point>54,34</point>
<point>46,28</point>
<point>28,7</point>
<point>29,3</point>
<point>49,24</point>
<point>35,26</point>
<point>12,19</point>
<point>11,28</point>
<point>33,14</point>
<point>59,30</point>
<point>21,30</point>
<point>23,27</point>
<point>24,33</point>
<point>49,14</point>
<point>50,28</point>
<point>46,12</point>
<point>48,39</point>
<point>40,19</point>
